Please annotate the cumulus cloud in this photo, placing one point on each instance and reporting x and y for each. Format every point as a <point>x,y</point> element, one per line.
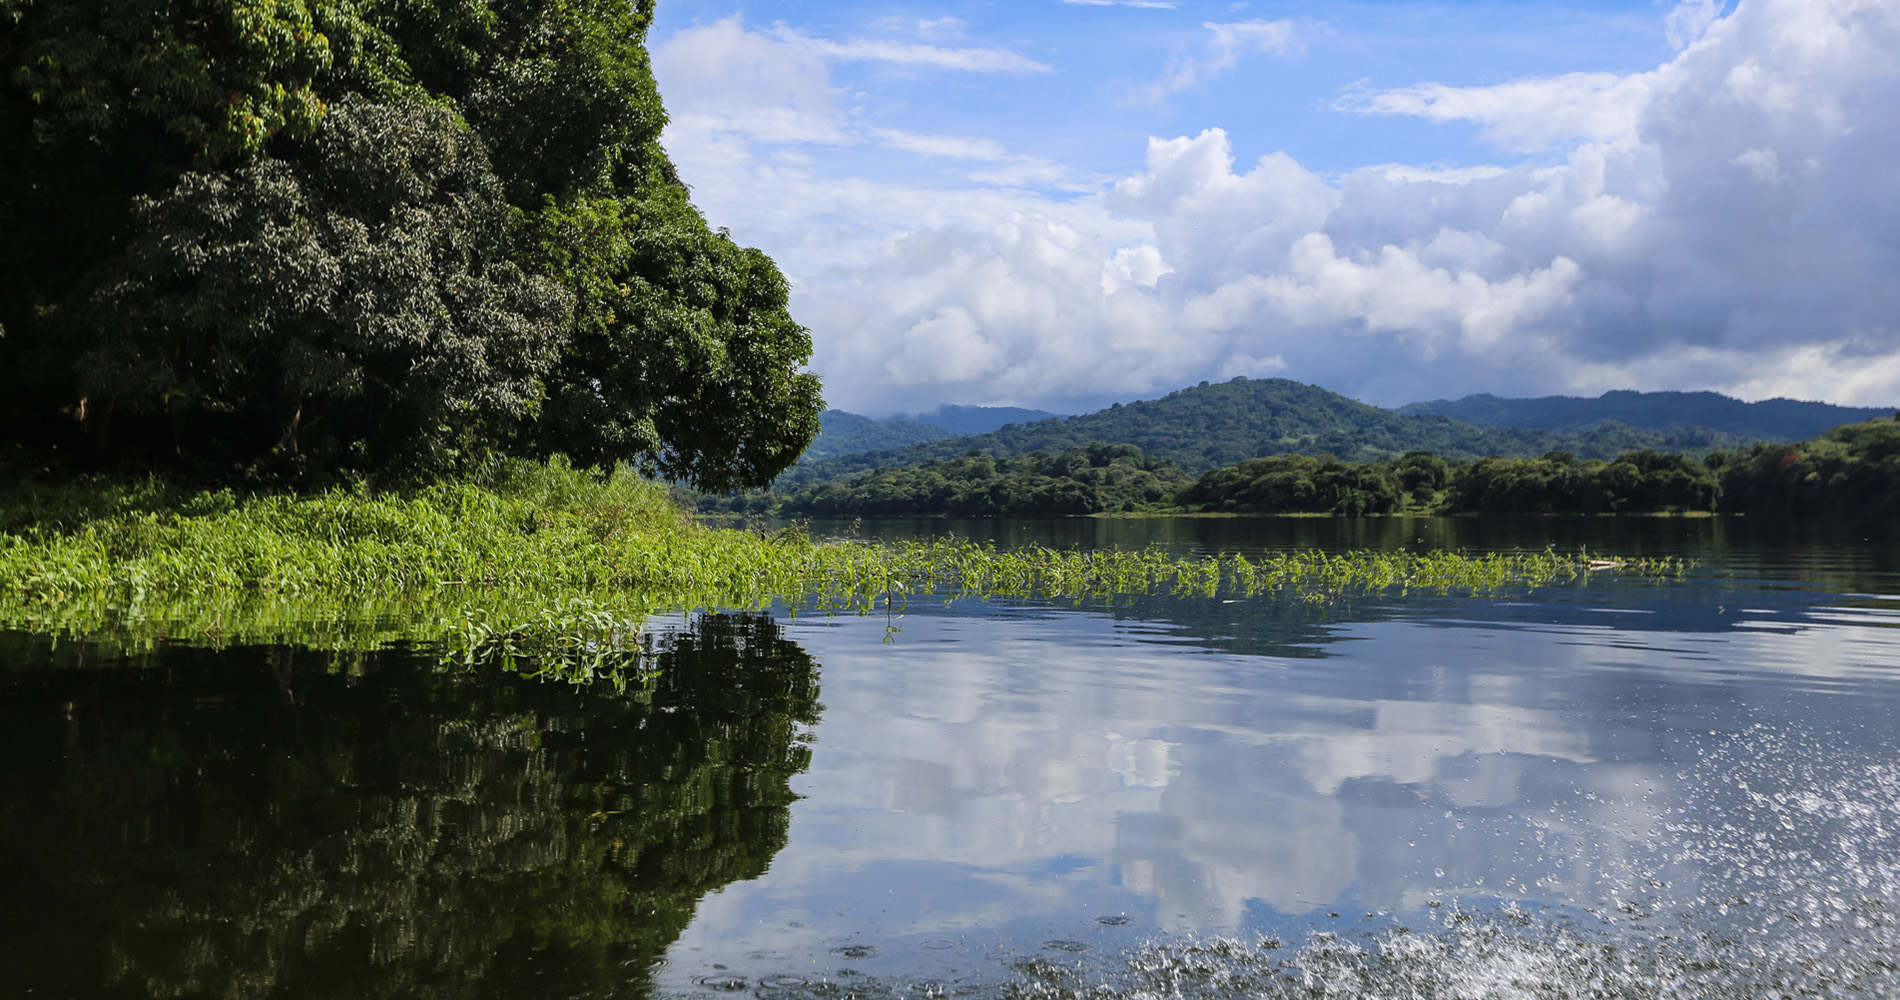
<point>1689,20</point>
<point>1727,220</point>
<point>1222,52</point>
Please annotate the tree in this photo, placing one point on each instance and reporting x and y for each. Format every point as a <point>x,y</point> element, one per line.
<point>371,238</point>
<point>357,306</point>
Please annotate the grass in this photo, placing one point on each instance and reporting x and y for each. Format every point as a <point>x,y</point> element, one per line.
<point>550,570</point>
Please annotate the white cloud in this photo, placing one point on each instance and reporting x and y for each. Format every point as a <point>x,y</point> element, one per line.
<point>954,147</point>
<point>744,106</point>
<point>968,60</point>
<point>1530,114</point>
<point>944,347</point>
<point>1433,309</point>
<point>1131,267</point>
<point>1230,41</point>
<point>722,78</point>
<point>940,28</point>
<point>1407,173</point>
<point>1727,220</point>
<point>724,82</point>
<point>1031,171</point>
<point>1762,162</point>
<point>1690,20</point>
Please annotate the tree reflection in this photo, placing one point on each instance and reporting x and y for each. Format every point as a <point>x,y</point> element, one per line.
<point>270,823</point>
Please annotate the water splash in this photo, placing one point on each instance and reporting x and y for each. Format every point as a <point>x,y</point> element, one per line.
<point>1780,877</point>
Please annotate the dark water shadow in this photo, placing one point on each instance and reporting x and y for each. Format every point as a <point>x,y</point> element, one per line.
<point>268,822</point>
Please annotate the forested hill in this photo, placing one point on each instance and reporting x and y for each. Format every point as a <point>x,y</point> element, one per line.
<point>841,433</point>
<point>1767,420</point>
<point>1219,424</point>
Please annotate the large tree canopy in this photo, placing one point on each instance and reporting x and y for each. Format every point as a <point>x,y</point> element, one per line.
<point>370,237</point>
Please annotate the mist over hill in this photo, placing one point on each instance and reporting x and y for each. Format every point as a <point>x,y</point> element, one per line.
<point>981,419</point>
<point>1767,420</point>
<point>842,433</point>
<point>1217,424</point>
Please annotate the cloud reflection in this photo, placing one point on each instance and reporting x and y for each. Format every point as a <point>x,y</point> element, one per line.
<point>1053,766</point>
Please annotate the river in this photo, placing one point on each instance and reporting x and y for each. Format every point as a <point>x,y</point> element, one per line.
<point>1619,787</point>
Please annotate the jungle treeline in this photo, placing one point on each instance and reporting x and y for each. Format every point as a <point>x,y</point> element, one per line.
<point>1097,479</point>
<point>1852,470</point>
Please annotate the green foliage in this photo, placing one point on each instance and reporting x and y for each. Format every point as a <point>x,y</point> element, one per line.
<point>1221,424</point>
<point>1642,482</point>
<point>1096,479</point>
<point>356,308</point>
<point>1297,484</point>
<point>1851,471</point>
<point>552,567</point>
<point>323,240</point>
<point>692,367</point>
<point>1636,483</point>
<point>217,79</point>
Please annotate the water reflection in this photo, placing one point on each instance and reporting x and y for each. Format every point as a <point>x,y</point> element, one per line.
<point>1006,772</point>
<point>265,822</point>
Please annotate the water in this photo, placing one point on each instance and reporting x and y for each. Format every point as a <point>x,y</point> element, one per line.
<point>1686,788</point>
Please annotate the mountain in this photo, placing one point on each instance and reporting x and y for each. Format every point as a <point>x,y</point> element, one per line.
<point>1220,424</point>
<point>1768,420</point>
<point>841,433</point>
<point>981,419</point>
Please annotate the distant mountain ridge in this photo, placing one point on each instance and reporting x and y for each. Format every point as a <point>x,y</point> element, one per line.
<point>1768,420</point>
<point>842,433</point>
<point>1218,424</point>
<point>981,419</point>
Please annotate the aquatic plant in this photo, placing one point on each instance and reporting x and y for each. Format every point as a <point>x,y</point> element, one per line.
<point>548,567</point>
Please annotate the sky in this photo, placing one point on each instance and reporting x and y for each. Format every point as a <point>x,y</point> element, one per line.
<point>1061,204</point>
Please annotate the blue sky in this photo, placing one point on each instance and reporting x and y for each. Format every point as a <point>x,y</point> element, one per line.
<point>1062,204</point>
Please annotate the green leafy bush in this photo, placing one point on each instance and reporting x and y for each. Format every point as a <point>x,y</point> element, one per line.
<point>312,241</point>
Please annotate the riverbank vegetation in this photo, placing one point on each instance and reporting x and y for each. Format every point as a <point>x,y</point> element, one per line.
<point>1636,482</point>
<point>552,565</point>
<point>1102,478</point>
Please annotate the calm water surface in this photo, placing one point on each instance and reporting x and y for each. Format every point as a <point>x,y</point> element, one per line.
<point>1624,788</point>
